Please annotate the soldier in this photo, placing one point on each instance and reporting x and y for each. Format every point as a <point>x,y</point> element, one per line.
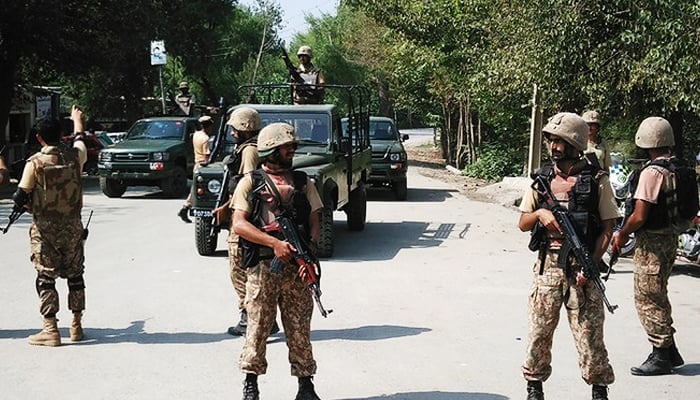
<point>51,189</point>
<point>4,172</point>
<point>184,100</point>
<point>256,202</point>
<point>200,143</point>
<point>596,144</point>
<point>656,248</point>
<point>593,208</point>
<point>245,125</point>
<point>312,76</point>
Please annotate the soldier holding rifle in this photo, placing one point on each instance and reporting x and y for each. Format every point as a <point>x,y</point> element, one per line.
<point>558,276</point>
<point>307,79</point>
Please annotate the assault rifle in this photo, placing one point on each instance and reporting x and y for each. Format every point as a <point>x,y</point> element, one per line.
<point>223,195</point>
<point>292,69</point>
<point>14,216</point>
<point>309,266</point>
<point>220,133</point>
<point>572,242</point>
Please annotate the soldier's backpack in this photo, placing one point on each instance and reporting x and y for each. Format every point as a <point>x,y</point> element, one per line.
<point>684,205</point>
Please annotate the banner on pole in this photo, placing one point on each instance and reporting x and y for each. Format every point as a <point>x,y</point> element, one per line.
<point>158,56</point>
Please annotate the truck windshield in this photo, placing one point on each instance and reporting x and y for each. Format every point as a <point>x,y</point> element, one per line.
<point>157,130</point>
<point>310,128</point>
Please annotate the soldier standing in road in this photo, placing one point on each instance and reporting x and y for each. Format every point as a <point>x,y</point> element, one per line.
<point>312,76</point>
<point>200,143</point>
<point>245,125</point>
<point>596,144</point>
<point>4,172</point>
<point>51,189</point>
<point>594,208</point>
<point>656,248</point>
<point>256,205</point>
<point>185,100</point>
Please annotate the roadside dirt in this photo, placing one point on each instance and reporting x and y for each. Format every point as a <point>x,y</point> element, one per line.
<point>429,162</point>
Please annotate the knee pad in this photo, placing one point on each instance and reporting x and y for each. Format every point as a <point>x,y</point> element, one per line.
<point>76,283</point>
<point>44,282</point>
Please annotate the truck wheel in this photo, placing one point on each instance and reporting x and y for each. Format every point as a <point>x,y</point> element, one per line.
<point>325,245</point>
<point>176,185</point>
<point>356,209</point>
<point>206,244</point>
<point>400,189</point>
<point>112,187</point>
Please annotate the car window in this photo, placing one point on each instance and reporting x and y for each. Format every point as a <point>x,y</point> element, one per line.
<point>156,130</point>
<point>381,131</point>
<point>309,127</point>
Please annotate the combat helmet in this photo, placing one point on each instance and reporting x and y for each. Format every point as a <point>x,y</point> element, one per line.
<point>570,127</point>
<point>244,119</point>
<point>591,117</point>
<point>305,50</point>
<point>273,136</point>
<point>654,132</point>
<point>183,85</point>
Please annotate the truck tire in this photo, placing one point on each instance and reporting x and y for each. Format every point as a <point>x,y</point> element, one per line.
<point>325,245</point>
<point>356,209</point>
<point>175,186</point>
<point>400,189</point>
<point>206,244</point>
<point>112,187</point>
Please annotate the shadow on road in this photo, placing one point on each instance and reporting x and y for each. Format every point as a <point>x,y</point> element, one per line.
<point>435,396</point>
<point>686,269</point>
<point>367,333</point>
<point>414,194</point>
<point>689,370</point>
<point>383,240</point>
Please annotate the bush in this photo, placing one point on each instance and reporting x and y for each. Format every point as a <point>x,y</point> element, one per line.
<point>495,161</point>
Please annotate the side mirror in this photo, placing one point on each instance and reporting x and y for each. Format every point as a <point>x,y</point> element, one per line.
<point>346,145</point>
<point>404,137</point>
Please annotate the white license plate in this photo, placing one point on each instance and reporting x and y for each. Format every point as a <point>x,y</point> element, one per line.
<point>201,213</point>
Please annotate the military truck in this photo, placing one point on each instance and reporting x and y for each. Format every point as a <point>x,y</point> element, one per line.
<point>337,160</point>
<point>155,152</point>
<point>389,159</point>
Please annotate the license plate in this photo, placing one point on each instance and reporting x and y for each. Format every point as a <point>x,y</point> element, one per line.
<point>200,213</point>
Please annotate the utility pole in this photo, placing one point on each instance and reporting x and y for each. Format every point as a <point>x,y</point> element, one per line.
<point>535,148</point>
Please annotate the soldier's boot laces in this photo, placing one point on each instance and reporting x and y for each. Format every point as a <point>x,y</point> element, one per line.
<point>306,389</point>
<point>250,388</point>
<point>76,327</point>
<point>48,336</point>
<point>534,390</point>
<point>676,359</point>
<point>600,392</point>
<point>658,363</point>
<point>240,328</point>
<point>183,214</point>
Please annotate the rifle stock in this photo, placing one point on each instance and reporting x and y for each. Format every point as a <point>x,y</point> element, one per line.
<point>302,259</point>
<point>572,241</point>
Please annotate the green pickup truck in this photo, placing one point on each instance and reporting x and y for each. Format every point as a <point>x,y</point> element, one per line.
<point>155,152</point>
<point>338,160</point>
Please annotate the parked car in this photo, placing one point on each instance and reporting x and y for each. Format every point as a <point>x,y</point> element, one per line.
<point>94,142</point>
<point>389,159</point>
<point>155,152</point>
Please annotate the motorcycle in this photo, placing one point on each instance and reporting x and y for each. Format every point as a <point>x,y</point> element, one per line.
<point>620,172</point>
<point>689,242</point>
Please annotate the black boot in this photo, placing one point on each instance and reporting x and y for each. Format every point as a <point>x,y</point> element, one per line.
<point>675,356</point>
<point>600,392</point>
<point>250,387</point>
<point>658,363</point>
<point>534,390</point>
<point>275,328</point>
<point>306,389</point>
<point>239,330</point>
<point>183,214</point>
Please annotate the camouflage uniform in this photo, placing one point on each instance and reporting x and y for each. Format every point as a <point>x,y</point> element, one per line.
<point>584,305</point>
<point>54,178</point>
<point>266,291</point>
<point>653,261</point>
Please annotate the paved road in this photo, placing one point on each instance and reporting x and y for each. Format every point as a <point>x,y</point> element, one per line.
<point>430,304</point>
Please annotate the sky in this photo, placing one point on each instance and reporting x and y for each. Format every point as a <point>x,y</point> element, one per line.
<point>293,12</point>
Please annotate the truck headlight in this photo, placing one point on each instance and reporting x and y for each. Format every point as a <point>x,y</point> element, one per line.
<point>104,156</point>
<point>160,156</point>
<point>214,186</point>
<point>395,157</point>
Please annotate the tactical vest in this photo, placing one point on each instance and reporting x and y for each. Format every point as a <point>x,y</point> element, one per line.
<point>309,96</point>
<point>582,200</point>
<point>297,209</point>
<point>58,192</point>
